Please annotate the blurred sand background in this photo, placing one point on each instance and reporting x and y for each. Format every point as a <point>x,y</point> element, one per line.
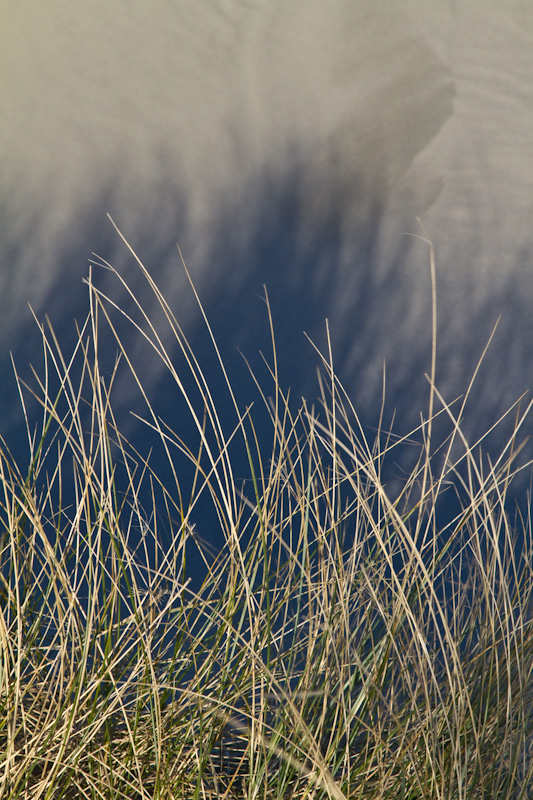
<point>291,144</point>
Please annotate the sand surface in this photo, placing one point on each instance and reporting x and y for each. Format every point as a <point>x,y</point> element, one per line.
<point>287,144</point>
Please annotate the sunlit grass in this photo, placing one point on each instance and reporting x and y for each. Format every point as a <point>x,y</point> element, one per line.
<point>350,640</point>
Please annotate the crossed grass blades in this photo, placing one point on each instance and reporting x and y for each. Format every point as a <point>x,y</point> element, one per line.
<point>345,642</point>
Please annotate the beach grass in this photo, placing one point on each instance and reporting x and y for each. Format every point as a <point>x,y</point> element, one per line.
<point>350,639</point>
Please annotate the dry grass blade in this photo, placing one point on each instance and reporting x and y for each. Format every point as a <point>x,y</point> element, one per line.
<point>348,640</point>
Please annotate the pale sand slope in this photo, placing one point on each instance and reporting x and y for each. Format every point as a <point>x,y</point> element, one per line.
<point>291,143</point>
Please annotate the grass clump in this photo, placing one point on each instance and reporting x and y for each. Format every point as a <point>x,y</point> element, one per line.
<point>349,640</point>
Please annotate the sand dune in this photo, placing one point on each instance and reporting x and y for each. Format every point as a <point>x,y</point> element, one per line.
<point>291,144</point>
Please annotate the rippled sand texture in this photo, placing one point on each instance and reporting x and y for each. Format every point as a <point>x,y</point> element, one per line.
<point>291,144</point>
